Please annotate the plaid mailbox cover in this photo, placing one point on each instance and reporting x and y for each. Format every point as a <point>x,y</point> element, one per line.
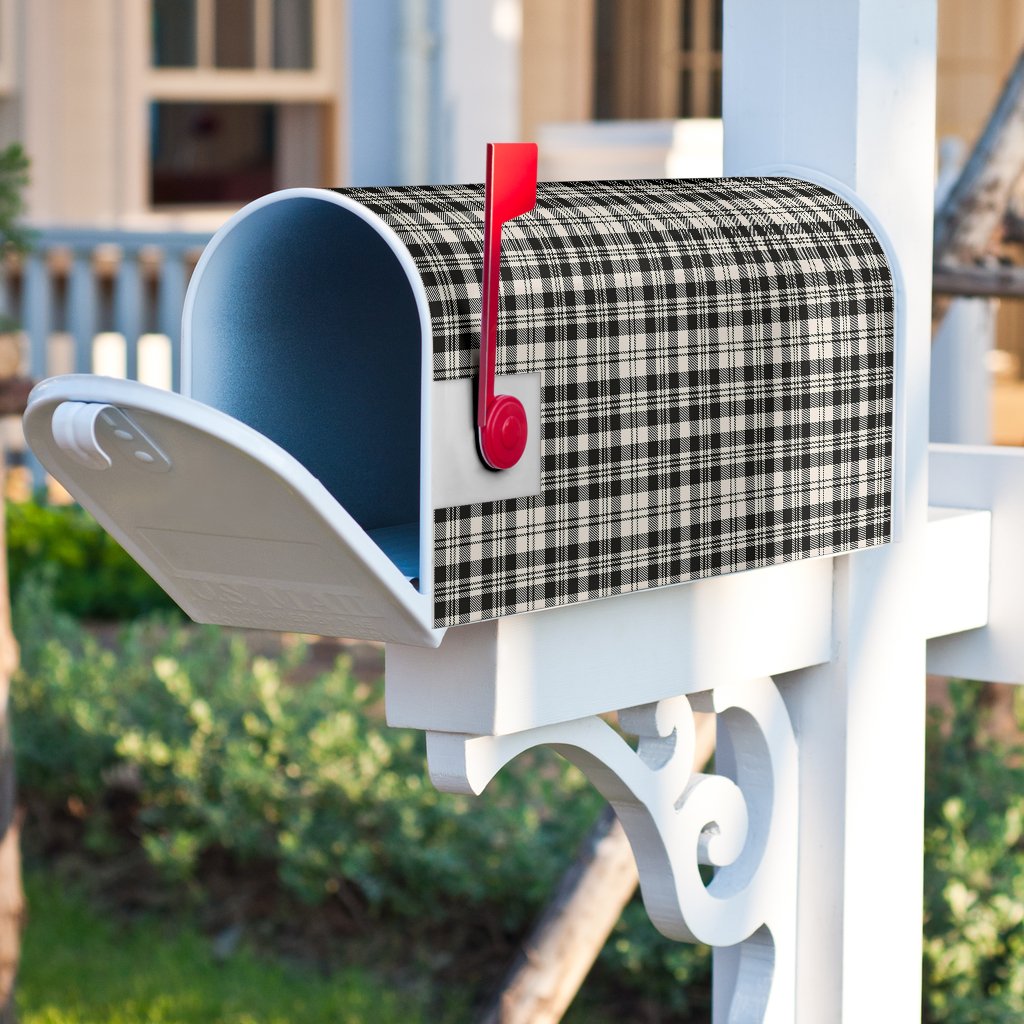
<point>716,359</point>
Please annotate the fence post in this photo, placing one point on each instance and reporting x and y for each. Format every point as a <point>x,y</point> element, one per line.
<point>82,308</point>
<point>849,89</point>
<point>170,300</point>
<point>36,312</point>
<point>37,319</point>
<point>961,379</point>
<point>128,307</point>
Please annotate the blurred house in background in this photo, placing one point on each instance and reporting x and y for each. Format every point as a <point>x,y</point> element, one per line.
<point>150,121</point>
<point>169,112</point>
<point>164,113</point>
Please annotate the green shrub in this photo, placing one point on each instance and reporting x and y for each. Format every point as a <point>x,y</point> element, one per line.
<point>226,755</point>
<point>91,575</point>
<point>662,973</point>
<point>974,869</point>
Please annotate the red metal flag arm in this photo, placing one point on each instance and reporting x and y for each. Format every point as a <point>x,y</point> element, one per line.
<point>511,190</point>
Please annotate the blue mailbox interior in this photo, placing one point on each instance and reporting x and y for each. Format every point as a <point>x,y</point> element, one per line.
<point>304,326</point>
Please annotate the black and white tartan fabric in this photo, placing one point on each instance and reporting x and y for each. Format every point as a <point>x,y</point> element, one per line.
<point>716,360</point>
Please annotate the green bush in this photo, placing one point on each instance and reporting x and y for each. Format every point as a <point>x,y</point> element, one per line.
<point>974,869</point>
<point>91,575</point>
<point>226,756</point>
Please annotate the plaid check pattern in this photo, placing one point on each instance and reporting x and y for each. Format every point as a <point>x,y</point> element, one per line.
<point>716,360</point>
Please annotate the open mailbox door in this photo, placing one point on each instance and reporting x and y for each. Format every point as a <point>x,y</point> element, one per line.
<point>236,530</point>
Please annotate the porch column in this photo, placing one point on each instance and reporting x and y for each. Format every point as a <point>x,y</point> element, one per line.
<point>848,89</point>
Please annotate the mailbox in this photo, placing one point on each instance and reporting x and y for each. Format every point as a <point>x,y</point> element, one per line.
<point>704,369</point>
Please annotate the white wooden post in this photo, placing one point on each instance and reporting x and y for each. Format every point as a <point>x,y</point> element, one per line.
<point>479,68</point>
<point>848,88</point>
<point>961,390</point>
<point>961,380</point>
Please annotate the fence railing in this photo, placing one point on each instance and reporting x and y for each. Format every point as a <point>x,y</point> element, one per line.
<point>98,301</point>
<point>102,301</point>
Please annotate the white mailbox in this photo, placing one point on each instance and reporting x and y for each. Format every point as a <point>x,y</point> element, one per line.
<point>419,414</point>
<point>702,372</point>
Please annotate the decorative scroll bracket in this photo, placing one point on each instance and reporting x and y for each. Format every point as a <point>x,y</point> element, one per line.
<point>743,822</point>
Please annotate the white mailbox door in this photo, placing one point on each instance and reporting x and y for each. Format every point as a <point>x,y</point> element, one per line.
<point>236,530</point>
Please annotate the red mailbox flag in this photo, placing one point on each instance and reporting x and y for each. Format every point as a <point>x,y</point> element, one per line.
<point>511,190</point>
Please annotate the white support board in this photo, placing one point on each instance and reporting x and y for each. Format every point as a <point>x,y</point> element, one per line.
<point>967,476</point>
<point>957,579</point>
<point>517,673</point>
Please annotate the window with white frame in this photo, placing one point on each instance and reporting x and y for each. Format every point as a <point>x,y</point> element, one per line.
<point>658,58</point>
<point>238,34</point>
<point>241,98</point>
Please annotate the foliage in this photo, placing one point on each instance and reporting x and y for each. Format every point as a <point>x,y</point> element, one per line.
<point>974,869</point>
<point>14,236</point>
<point>224,755</point>
<point>14,165</point>
<point>80,968</point>
<point>663,973</point>
<point>91,575</point>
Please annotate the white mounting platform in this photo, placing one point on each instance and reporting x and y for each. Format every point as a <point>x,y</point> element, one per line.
<point>993,479</point>
<point>553,666</point>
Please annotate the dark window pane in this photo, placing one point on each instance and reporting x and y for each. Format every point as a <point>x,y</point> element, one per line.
<point>234,40</point>
<point>174,33</point>
<point>686,93</point>
<point>716,93</point>
<point>605,60</point>
<point>211,152</point>
<point>293,33</point>
<point>716,29</point>
<point>686,27</point>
